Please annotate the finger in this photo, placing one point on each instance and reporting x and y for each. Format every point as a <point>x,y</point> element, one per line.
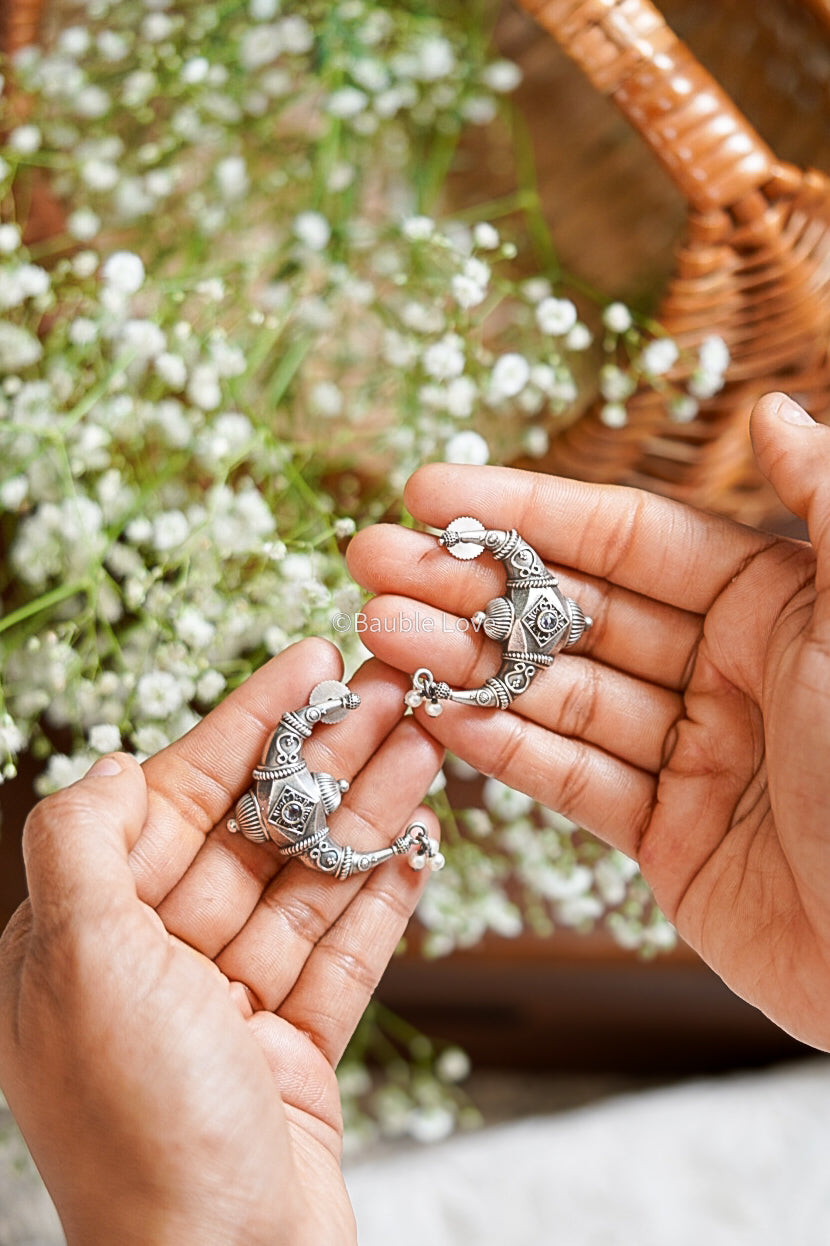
<point>600,792</point>
<point>348,962</point>
<point>793,452</point>
<point>576,697</point>
<point>215,897</point>
<point>650,544</point>
<point>300,905</point>
<point>195,781</point>
<point>76,843</point>
<point>646,638</point>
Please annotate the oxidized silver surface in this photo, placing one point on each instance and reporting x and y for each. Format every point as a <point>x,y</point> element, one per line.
<point>288,804</point>
<point>532,620</point>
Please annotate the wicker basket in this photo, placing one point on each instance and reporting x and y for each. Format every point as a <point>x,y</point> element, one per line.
<point>19,23</point>
<point>753,264</point>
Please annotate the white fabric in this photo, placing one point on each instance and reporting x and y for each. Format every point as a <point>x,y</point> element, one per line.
<point>739,1161</point>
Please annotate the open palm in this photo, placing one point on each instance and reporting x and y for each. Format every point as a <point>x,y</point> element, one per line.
<point>690,727</point>
<point>185,995</point>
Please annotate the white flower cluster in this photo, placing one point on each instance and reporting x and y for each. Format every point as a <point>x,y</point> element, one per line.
<point>416,1095</point>
<point>683,377</point>
<point>511,861</point>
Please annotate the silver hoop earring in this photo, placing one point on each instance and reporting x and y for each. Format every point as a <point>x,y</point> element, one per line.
<point>532,620</point>
<point>288,804</point>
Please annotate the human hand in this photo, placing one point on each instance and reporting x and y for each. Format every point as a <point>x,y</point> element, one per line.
<point>174,999</point>
<point>691,727</point>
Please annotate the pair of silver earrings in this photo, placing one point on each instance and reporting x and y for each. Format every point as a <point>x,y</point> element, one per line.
<point>288,804</point>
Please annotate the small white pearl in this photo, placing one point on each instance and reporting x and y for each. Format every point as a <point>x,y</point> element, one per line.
<point>432,846</point>
<point>413,699</point>
<point>418,861</point>
<point>434,708</point>
<point>437,862</point>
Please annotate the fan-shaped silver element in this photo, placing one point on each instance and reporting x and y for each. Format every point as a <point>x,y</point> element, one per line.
<point>580,622</point>
<point>330,690</point>
<point>248,821</point>
<point>464,550</point>
<point>330,790</point>
<point>498,618</point>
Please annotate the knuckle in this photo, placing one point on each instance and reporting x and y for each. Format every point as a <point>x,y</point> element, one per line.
<point>575,784</point>
<point>579,699</point>
<point>508,751</point>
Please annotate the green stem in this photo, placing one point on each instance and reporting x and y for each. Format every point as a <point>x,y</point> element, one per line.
<point>40,604</point>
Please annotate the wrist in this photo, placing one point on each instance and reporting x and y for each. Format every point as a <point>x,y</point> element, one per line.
<point>215,1221</point>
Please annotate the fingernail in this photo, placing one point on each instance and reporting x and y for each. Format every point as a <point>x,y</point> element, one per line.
<point>104,766</point>
<point>791,413</point>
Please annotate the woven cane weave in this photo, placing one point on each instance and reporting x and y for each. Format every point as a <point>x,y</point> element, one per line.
<point>753,265</point>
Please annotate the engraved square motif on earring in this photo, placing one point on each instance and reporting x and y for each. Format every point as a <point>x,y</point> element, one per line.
<point>292,810</point>
<point>544,622</point>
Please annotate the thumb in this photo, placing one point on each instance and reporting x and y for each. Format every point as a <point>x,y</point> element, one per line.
<point>793,452</point>
<point>76,843</point>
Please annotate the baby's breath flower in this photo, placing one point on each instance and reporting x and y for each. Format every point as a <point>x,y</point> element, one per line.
<point>556,316</point>
<point>418,228</point>
<point>444,359</point>
<point>99,175</point>
<point>502,76</point>
<point>616,385</point>
<point>613,415</point>
<point>9,238</point>
<point>714,355</point>
<point>460,396</point>
<point>535,442</point>
<point>503,801</point>
<point>203,388</point>
<point>232,177</point>
<point>297,34</point>
<point>172,369</point>
<point>263,10</point>
<point>347,102</point>
<point>467,447</point>
<point>535,289</point>
<point>312,230</point>
<point>683,409</point>
<point>123,272</point>
<point>326,399</point>
<point>467,292</point>
<point>25,139</point>
<point>579,337</point>
<point>510,374</point>
<point>160,694</point>
<point>83,224</point>
<point>104,738</point>
<point>170,530</point>
<point>19,348</point>
<point>659,356</point>
<point>486,236</point>
<point>617,318</point>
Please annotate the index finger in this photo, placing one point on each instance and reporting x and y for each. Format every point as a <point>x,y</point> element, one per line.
<point>194,781</point>
<point>652,545</point>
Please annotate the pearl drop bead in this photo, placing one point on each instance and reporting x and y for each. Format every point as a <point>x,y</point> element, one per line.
<point>413,699</point>
<point>437,862</point>
<point>434,708</point>
<point>418,861</point>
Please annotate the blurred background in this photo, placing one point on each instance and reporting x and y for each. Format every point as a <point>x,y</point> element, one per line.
<point>628,176</point>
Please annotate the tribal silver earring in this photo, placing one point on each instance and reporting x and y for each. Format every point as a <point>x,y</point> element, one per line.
<point>288,804</point>
<point>533,620</point>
